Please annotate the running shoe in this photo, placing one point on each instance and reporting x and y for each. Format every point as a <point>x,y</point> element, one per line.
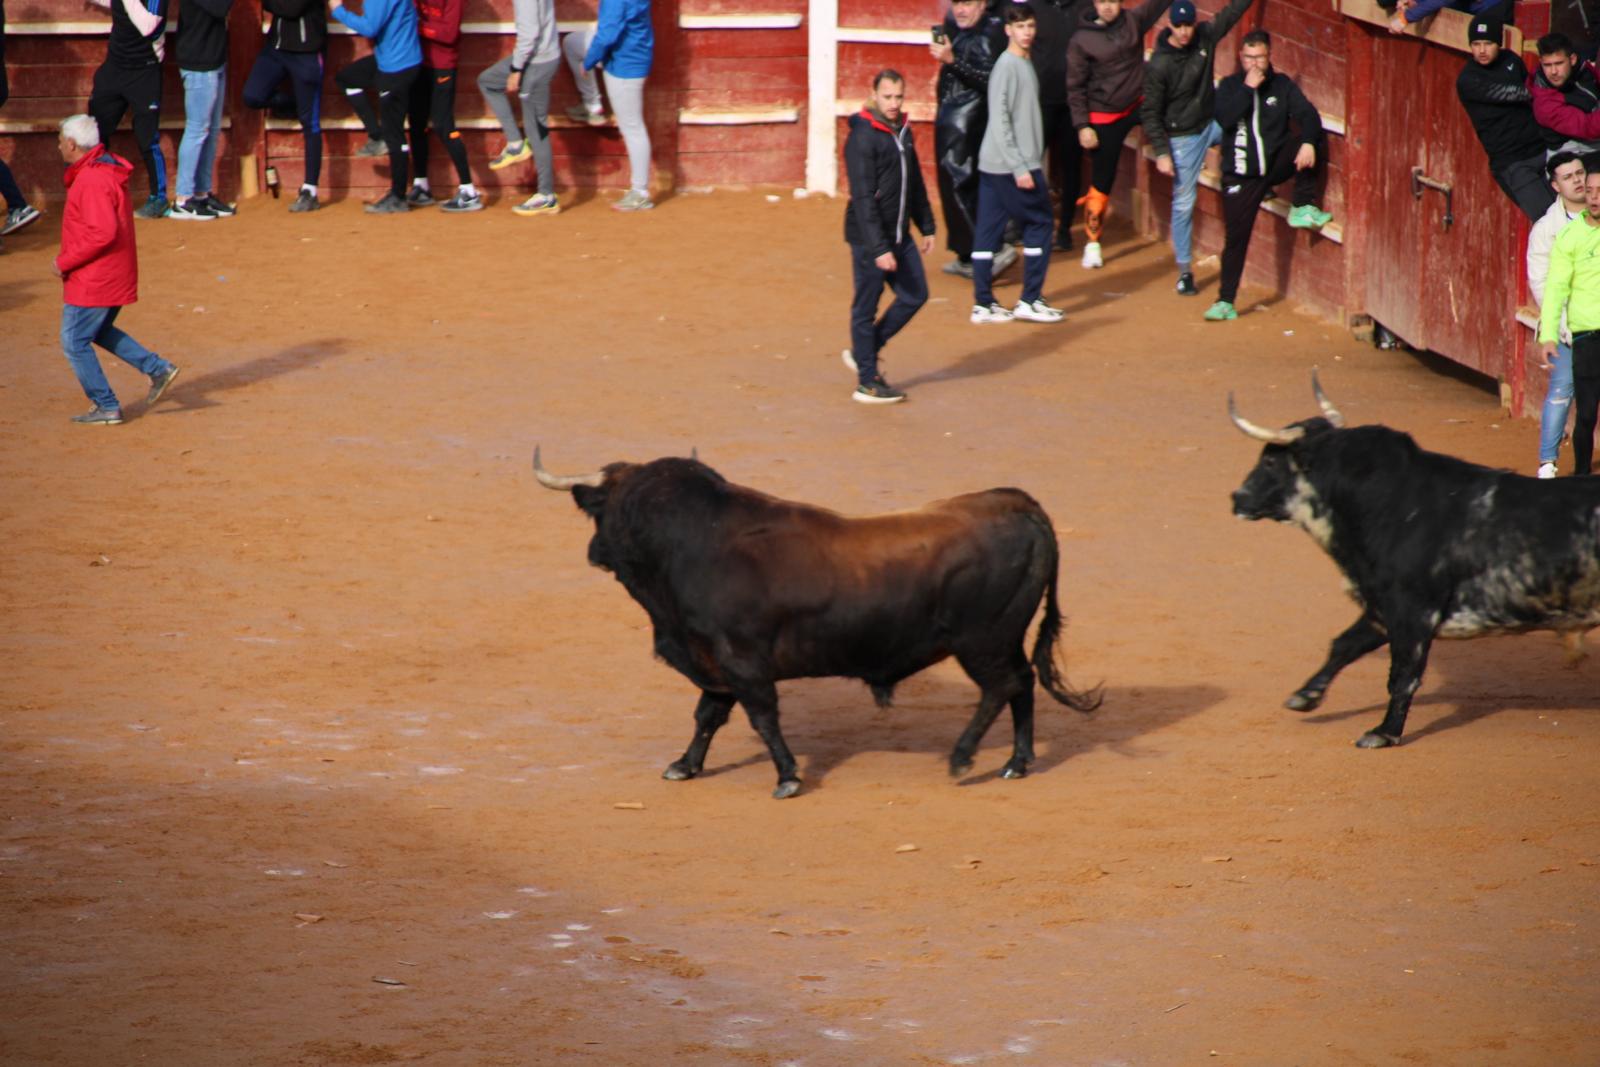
<point>419,197</point>
<point>156,207</point>
<point>539,204</point>
<point>511,154</point>
<point>1037,311</point>
<point>193,209</point>
<point>306,201</point>
<point>633,200</point>
<point>1221,311</point>
<point>17,218</point>
<point>463,202</point>
<point>390,204</point>
<point>1091,256</point>
<point>579,113</point>
<point>1186,286</point>
<point>1309,217</point>
<point>990,313</point>
<point>99,417</point>
<point>877,391</point>
<point>222,208</point>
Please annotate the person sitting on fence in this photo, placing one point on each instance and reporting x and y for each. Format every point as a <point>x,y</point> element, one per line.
<point>1408,13</point>
<point>1566,94</point>
<point>1256,108</point>
<point>296,41</point>
<point>396,57</point>
<point>527,73</point>
<point>1105,85</point>
<point>130,79</point>
<point>1566,173</point>
<point>1493,88</point>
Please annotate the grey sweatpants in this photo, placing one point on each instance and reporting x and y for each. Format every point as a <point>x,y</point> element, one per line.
<point>534,92</point>
<point>627,102</point>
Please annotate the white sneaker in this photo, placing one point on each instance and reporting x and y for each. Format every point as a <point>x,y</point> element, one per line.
<point>1038,311</point>
<point>990,313</point>
<point>1004,258</point>
<point>1547,470</point>
<point>1091,256</point>
<point>848,358</point>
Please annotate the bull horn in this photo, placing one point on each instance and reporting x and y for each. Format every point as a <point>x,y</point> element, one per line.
<point>559,481</point>
<point>1329,412</point>
<point>1272,437</point>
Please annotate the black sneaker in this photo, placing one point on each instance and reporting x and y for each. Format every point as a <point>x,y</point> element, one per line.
<point>877,391</point>
<point>156,207</point>
<point>99,417</point>
<point>1186,285</point>
<point>306,201</point>
<point>389,205</point>
<point>159,383</point>
<point>222,208</point>
<point>419,197</point>
<point>193,209</point>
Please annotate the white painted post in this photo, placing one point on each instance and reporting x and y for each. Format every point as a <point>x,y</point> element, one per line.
<point>822,85</point>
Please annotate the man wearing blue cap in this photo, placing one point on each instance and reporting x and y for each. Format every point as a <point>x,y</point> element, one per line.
<point>1179,97</point>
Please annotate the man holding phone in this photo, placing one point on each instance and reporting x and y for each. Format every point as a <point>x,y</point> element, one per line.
<point>966,45</point>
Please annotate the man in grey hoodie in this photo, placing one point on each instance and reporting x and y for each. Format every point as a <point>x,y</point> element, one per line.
<point>1011,183</point>
<point>527,71</point>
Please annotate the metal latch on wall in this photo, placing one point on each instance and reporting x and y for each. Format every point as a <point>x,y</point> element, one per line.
<point>1420,182</point>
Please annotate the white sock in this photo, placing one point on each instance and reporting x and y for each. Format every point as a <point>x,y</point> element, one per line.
<point>468,189</point>
<point>312,189</point>
<point>421,183</point>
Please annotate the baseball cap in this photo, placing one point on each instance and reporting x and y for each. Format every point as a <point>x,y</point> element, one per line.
<point>1480,30</point>
<point>1183,13</point>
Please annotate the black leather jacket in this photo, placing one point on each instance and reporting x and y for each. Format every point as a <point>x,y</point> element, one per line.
<point>963,95</point>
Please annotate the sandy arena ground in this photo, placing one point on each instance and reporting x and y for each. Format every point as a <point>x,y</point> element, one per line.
<point>316,723</point>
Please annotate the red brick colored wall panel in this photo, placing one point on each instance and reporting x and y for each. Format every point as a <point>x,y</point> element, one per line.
<point>895,15</point>
<point>783,169</point>
<point>753,140</point>
<point>860,63</point>
<point>781,79</point>
<point>743,44</point>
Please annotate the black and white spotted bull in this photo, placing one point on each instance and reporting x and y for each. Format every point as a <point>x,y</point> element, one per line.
<point>744,590</point>
<point>1430,546</point>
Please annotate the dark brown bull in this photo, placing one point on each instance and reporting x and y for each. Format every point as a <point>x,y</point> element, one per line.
<point>744,590</point>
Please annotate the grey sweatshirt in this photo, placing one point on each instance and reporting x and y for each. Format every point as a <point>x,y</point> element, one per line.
<point>1013,143</point>
<point>537,41</point>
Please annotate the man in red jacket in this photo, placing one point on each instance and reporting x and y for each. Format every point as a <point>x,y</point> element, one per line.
<point>100,268</point>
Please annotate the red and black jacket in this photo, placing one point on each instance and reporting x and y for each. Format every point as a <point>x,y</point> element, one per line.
<point>886,188</point>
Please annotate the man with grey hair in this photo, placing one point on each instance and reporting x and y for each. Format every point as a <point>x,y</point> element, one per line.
<point>99,269</point>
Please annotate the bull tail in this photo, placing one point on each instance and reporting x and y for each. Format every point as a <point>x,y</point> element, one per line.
<point>1051,676</point>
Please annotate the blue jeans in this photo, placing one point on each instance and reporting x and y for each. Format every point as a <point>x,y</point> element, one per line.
<point>1553,420</point>
<point>83,328</point>
<point>203,92</point>
<point>1188,154</point>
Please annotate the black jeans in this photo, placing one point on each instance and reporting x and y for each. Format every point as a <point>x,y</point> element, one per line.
<point>1066,161</point>
<point>1524,181</point>
<point>303,70</point>
<point>1585,398</point>
<point>910,287</point>
<point>1241,199</point>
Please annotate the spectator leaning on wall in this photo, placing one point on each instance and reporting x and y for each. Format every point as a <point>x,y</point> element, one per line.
<point>202,53</point>
<point>1566,95</point>
<point>1494,90</point>
<point>18,212</point>
<point>295,42</point>
<point>1566,172</point>
<point>1410,12</point>
<point>1573,287</point>
<point>1179,99</point>
<point>1270,133</point>
<point>130,79</point>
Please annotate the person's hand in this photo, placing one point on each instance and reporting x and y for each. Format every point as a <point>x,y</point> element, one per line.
<point>1088,138</point>
<point>1164,165</point>
<point>925,246</point>
<point>1025,181</point>
<point>944,53</point>
<point>1255,77</point>
<point>513,80</point>
<point>1306,158</point>
<point>1547,355</point>
<point>886,262</point>
<point>56,270</point>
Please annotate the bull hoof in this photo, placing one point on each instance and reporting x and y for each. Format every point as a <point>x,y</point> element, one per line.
<point>958,767</point>
<point>786,789</point>
<point>677,772</point>
<point>1373,739</point>
<point>1304,700</point>
<point>1015,770</point>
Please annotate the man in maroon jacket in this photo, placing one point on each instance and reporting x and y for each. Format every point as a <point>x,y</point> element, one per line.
<point>433,103</point>
<point>99,266</point>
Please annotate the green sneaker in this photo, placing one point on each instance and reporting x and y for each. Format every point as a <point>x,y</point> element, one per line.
<point>1221,311</point>
<point>1309,217</point>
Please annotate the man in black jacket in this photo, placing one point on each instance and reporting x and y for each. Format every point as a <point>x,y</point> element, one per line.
<point>296,41</point>
<point>886,196</point>
<point>1179,98</point>
<point>1257,109</point>
<point>971,41</point>
<point>1493,88</point>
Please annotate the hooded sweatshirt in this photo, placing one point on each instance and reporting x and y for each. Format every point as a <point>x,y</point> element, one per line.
<point>1500,107</point>
<point>99,262</point>
<point>297,25</point>
<point>1105,63</point>
<point>439,24</point>
<point>886,188</point>
<point>391,25</point>
<point>537,40</point>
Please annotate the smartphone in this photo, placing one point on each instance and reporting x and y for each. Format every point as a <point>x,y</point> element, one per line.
<point>938,34</point>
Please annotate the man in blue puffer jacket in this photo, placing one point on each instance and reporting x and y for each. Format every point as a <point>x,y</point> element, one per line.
<point>392,27</point>
<point>622,47</point>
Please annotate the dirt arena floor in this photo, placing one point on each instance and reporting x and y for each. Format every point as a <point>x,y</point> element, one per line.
<point>323,744</point>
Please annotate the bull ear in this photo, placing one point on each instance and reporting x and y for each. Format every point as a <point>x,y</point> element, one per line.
<point>591,500</point>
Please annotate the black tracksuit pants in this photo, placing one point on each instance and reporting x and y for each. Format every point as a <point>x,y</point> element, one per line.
<point>910,287</point>
<point>115,93</point>
<point>263,87</point>
<point>433,104</point>
<point>1241,199</point>
<point>389,124</point>
<point>1585,398</point>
